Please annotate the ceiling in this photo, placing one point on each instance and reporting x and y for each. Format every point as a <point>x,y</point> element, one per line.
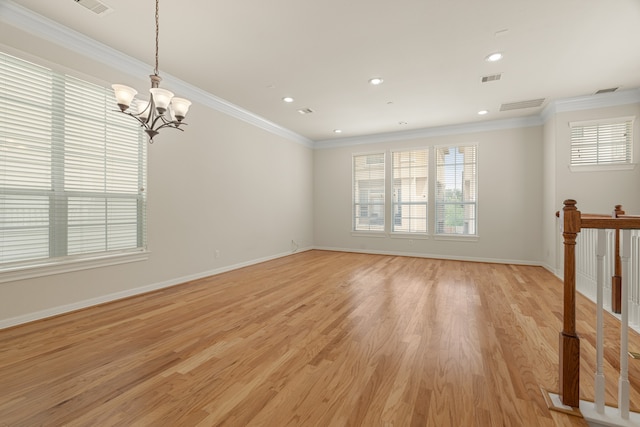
<point>431,55</point>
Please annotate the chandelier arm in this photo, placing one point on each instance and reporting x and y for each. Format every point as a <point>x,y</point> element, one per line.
<point>142,122</point>
<point>155,120</point>
<point>170,125</point>
<point>167,124</point>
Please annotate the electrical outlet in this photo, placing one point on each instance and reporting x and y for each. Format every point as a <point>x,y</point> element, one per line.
<point>217,253</point>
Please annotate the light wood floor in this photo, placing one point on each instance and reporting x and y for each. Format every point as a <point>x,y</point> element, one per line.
<point>314,339</point>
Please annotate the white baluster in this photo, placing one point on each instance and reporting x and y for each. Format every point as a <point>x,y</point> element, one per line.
<point>633,278</point>
<point>623,382</point>
<point>599,378</point>
<point>609,267</point>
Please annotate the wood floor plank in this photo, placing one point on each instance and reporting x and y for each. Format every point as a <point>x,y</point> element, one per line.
<point>314,339</point>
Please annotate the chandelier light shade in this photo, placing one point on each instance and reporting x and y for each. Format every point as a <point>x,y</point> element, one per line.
<point>162,110</point>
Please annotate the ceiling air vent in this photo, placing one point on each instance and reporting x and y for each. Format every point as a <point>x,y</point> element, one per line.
<point>491,78</point>
<point>305,111</point>
<point>611,89</point>
<point>522,104</point>
<point>95,6</point>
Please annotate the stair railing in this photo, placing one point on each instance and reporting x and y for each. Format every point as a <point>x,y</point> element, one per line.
<point>572,222</point>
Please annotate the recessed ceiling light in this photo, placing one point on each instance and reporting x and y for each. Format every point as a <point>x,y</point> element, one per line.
<point>337,131</point>
<point>494,57</point>
<point>287,99</point>
<point>376,81</point>
<point>483,112</point>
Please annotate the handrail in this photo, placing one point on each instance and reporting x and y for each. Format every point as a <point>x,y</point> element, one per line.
<point>569,352</point>
<point>616,279</point>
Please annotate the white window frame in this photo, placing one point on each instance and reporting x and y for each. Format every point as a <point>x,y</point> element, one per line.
<point>356,194</point>
<point>437,203</point>
<point>58,260</point>
<point>413,205</point>
<point>604,165</point>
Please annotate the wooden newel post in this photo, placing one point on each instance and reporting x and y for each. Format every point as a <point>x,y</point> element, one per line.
<point>569,340</point>
<point>616,279</point>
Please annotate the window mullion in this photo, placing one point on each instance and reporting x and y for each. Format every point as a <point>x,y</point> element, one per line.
<point>141,201</point>
<point>58,202</point>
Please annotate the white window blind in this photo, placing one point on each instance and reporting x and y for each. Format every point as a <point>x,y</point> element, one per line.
<point>410,191</point>
<point>456,190</point>
<point>72,171</point>
<point>601,143</point>
<point>368,192</point>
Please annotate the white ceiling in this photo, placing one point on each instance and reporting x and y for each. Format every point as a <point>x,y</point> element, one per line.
<point>322,53</point>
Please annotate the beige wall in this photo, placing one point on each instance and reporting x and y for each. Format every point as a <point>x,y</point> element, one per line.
<point>549,203</point>
<point>223,185</point>
<point>510,194</point>
<point>594,191</point>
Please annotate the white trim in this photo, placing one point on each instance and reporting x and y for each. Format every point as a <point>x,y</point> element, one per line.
<point>374,233</point>
<point>552,270</point>
<point>609,121</point>
<point>409,235</point>
<point>458,129</point>
<point>426,255</point>
<point>603,167</point>
<point>610,418</point>
<point>51,267</point>
<point>605,121</point>
<point>55,311</point>
<point>590,102</point>
<point>457,237</point>
<point>369,233</point>
<point>27,20</point>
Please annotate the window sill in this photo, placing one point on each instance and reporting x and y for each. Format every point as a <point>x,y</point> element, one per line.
<point>378,234</point>
<point>603,167</point>
<point>48,268</point>
<point>457,238</point>
<point>412,236</point>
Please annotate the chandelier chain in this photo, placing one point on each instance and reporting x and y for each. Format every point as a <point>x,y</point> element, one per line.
<point>155,70</point>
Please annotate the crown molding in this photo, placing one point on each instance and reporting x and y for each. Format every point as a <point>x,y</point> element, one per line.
<point>457,129</point>
<point>578,103</point>
<point>40,26</point>
<point>27,20</point>
<point>590,102</point>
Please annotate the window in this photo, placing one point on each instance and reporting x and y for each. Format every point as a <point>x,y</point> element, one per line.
<point>410,191</point>
<point>601,143</point>
<point>456,190</point>
<point>368,192</point>
<point>72,171</point>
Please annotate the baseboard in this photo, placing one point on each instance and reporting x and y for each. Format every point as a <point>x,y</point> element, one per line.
<point>67,308</point>
<point>434,256</point>
<point>552,270</point>
<point>610,417</point>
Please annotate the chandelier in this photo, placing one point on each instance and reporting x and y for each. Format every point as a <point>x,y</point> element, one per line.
<point>163,110</point>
